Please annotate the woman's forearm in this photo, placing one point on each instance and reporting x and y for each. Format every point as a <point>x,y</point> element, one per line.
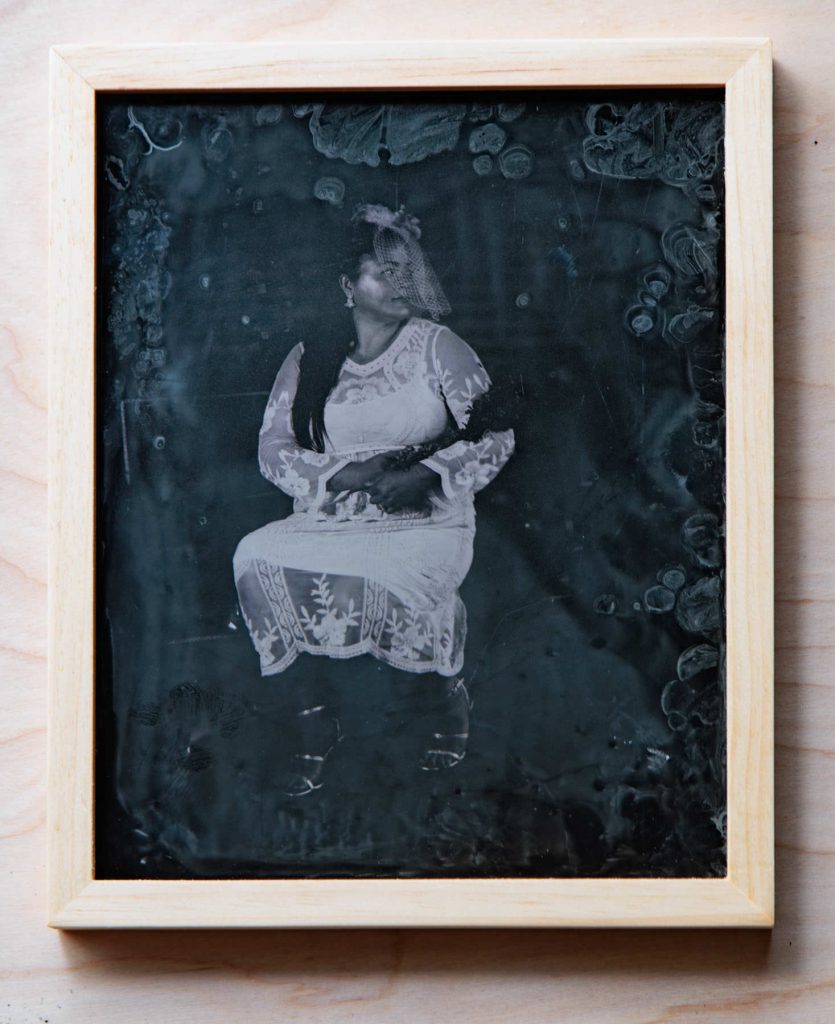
<point>345,479</point>
<point>356,476</point>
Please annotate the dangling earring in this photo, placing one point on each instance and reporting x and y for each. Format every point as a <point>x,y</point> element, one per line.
<point>349,302</point>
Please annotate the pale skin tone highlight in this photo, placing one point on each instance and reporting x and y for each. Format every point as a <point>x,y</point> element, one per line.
<point>379,314</point>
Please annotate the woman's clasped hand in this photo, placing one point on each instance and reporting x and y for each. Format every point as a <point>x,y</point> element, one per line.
<point>393,490</point>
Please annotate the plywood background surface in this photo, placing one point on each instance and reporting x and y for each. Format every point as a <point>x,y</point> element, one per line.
<point>605,977</point>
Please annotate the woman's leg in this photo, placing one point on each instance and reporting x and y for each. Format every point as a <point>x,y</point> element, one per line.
<point>443,705</point>
<point>307,728</point>
<point>448,742</point>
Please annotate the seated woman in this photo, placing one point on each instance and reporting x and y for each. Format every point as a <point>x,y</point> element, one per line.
<point>381,536</point>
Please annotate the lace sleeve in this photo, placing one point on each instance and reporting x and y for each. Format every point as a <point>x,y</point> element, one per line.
<point>465,466</point>
<point>297,471</point>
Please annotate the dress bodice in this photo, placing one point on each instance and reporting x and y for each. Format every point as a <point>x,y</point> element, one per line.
<point>391,402</point>
<point>406,396</point>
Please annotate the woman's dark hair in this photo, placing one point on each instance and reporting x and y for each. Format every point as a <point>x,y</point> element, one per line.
<point>324,353</point>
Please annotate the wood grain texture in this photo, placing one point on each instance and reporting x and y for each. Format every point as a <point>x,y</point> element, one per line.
<point>71,477</point>
<point>609,977</point>
<point>435,63</point>
<point>749,542</point>
<point>745,897</point>
<point>418,903</point>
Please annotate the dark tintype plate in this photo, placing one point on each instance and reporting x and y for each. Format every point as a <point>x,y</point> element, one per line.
<point>578,238</point>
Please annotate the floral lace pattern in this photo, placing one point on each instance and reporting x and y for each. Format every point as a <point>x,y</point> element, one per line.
<point>340,576</point>
<point>465,466</point>
<point>370,619</point>
<point>328,625</point>
<point>396,367</point>
<point>403,397</point>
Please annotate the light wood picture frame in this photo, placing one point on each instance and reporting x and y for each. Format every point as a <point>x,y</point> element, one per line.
<point>745,897</point>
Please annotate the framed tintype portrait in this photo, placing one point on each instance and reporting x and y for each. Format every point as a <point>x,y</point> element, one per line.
<point>411,487</point>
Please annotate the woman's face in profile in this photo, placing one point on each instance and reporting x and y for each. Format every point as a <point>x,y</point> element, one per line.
<point>379,288</point>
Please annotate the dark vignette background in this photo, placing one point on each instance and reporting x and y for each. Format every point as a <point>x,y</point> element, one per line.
<point>579,238</point>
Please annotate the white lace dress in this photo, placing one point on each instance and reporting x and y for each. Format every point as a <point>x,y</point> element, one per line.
<point>339,576</point>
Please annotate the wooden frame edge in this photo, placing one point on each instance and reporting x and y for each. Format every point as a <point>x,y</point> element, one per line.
<point>71,482</point>
<point>414,903</point>
<point>425,64</point>
<point>77,900</point>
<point>750,480</point>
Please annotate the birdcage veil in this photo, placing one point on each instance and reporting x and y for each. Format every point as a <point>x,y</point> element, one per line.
<point>396,247</point>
